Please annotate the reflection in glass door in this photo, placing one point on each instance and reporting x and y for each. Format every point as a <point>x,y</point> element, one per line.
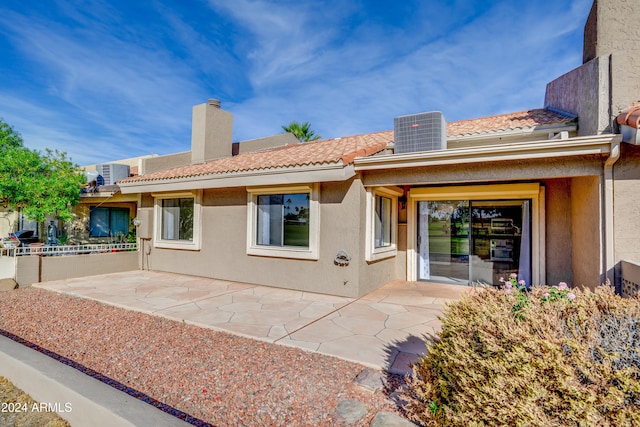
<point>474,241</point>
<point>443,241</point>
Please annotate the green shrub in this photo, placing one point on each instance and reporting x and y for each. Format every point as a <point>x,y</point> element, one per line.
<point>548,356</point>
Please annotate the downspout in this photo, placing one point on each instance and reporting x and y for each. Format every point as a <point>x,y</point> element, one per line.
<point>614,155</point>
<point>609,240</point>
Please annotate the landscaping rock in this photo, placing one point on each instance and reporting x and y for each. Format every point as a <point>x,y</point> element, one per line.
<point>370,379</point>
<point>388,419</point>
<point>350,412</point>
<point>8,284</point>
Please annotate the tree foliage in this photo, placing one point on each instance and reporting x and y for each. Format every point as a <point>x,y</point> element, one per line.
<point>302,131</point>
<point>40,183</point>
<point>9,137</point>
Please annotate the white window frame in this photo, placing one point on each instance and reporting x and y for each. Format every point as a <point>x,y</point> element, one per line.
<point>191,245</point>
<point>294,252</point>
<point>372,253</point>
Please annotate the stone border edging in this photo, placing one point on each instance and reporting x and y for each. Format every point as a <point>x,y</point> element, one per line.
<point>92,402</point>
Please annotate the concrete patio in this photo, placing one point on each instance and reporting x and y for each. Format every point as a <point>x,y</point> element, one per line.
<point>383,329</point>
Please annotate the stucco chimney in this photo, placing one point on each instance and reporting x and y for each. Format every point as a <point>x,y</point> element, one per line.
<point>211,132</point>
<point>609,79</point>
<point>612,26</point>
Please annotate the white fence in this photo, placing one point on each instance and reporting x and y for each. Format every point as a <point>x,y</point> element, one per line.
<point>60,250</point>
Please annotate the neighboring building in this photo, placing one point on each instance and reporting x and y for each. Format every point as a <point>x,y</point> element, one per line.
<point>548,194</point>
<point>11,220</point>
<point>105,214</point>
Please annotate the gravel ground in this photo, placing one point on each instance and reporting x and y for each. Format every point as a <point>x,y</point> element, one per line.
<point>216,377</point>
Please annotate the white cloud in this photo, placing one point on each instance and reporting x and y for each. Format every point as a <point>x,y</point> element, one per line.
<point>494,62</point>
<point>128,87</point>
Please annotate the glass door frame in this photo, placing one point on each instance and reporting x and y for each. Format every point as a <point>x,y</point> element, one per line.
<point>532,191</point>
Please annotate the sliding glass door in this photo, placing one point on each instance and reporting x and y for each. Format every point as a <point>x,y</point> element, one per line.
<point>443,240</point>
<point>477,241</point>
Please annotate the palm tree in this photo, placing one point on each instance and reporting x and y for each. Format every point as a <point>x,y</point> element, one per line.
<point>301,131</point>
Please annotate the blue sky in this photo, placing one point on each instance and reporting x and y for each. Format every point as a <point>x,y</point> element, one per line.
<point>105,80</point>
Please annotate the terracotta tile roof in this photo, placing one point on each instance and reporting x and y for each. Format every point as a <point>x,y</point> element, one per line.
<point>520,120</point>
<point>630,117</point>
<point>344,150</point>
<point>329,151</point>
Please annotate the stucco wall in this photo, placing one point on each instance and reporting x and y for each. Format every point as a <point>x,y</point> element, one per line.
<point>33,269</point>
<point>376,273</point>
<point>522,170</point>
<point>401,258</point>
<point>27,270</point>
<point>223,253</point>
<point>7,221</point>
<point>155,164</point>
<point>583,91</point>
<point>612,27</point>
<point>559,247</point>
<point>586,232</point>
<point>609,79</point>
<point>596,92</point>
<point>268,142</point>
<point>627,204</point>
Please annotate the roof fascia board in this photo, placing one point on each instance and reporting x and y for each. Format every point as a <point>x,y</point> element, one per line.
<point>326,173</point>
<point>599,144</point>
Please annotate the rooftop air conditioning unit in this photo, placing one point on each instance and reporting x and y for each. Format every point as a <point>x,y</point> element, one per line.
<point>112,172</point>
<point>420,132</point>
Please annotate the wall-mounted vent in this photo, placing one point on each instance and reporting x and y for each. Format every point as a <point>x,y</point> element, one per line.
<point>112,172</point>
<point>420,132</point>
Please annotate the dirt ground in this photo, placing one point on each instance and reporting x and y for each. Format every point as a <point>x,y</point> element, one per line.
<point>18,409</point>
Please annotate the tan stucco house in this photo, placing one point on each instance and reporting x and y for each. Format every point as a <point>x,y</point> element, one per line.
<point>548,193</point>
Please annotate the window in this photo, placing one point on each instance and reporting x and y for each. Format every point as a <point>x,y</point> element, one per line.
<point>28,224</point>
<point>283,222</point>
<point>178,221</point>
<point>382,222</point>
<point>108,222</point>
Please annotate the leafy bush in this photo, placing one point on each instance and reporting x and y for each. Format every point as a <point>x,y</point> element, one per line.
<point>545,356</point>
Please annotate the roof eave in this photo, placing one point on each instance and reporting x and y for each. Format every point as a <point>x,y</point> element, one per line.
<point>514,133</point>
<point>580,146</point>
<point>276,176</point>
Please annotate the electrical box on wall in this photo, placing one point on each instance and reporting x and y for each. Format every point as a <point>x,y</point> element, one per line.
<point>145,229</point>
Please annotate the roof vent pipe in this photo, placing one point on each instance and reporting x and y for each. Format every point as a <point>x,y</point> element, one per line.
<point>214,102</point>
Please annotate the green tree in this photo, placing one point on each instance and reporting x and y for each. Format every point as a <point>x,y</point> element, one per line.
<point>9,137</point>
<point>39,183</point>
<point>301,131</point>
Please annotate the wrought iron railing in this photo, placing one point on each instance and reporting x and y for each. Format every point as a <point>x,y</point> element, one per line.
<point>61,250</point>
